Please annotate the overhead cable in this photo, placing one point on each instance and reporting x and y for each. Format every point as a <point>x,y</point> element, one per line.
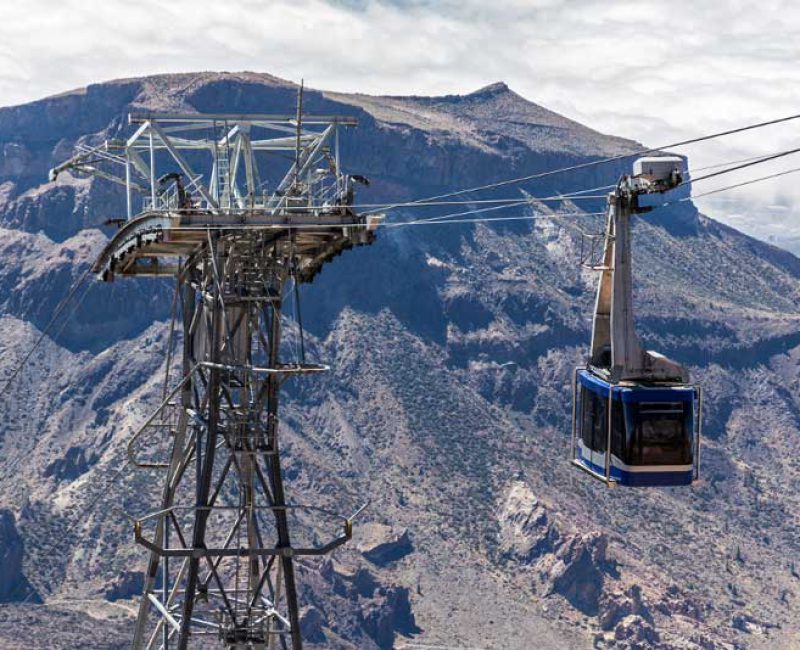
<point>60,308</point>
<point>601,161</point>
<point>744,165</point>
<point>743,183</point>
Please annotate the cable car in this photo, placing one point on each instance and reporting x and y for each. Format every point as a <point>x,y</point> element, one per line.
<point>636,434</point>
<point>636,419</point>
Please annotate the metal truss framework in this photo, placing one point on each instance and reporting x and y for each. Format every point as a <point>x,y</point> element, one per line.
<point>234,182</point>
<point>221,556</point>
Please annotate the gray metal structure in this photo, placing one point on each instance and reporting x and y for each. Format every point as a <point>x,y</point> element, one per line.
<point>616,350</point>
<point>221,547</point>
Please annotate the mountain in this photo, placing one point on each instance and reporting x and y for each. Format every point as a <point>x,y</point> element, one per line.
<point>447,406</point>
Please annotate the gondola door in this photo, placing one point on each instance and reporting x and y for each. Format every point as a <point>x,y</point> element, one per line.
<point>592,418</point>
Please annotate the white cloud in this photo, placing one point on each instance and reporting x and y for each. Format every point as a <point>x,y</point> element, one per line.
<point>648,69</point>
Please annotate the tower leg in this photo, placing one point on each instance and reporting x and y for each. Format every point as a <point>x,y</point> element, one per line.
<point>230,580</point>
<point>276,481</point>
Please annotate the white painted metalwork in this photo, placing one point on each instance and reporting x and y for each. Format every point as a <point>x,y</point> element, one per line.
<point>236,162</point>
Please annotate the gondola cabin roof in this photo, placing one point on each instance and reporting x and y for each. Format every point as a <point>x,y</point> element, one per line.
<point>636,392</point>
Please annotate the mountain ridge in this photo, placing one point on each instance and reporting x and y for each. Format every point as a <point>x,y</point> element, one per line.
<point>451,349</point>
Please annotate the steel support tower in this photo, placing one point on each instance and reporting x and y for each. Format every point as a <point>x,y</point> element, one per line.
<point>221,549</point>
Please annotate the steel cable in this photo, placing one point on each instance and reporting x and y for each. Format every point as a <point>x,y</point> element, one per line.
<point>602,161</point>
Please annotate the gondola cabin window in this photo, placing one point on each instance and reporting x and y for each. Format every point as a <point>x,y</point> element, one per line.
<point>661,432</point>
<point>593,427</point>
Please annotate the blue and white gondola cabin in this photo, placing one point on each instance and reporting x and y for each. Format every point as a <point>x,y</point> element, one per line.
<point>648,430</point>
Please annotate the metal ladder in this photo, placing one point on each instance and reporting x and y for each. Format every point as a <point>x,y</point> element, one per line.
<point>223,176</point>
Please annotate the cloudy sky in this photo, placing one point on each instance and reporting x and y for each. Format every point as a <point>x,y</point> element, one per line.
<point>653,70</point>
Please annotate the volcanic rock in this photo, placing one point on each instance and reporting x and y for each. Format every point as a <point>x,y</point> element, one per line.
<point>525,529</point>
<point>578,571</point>
<point>382,544</point>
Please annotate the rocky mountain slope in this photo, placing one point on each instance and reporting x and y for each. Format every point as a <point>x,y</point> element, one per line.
<point>447,405</point>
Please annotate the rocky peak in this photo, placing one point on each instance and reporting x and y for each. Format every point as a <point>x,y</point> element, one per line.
<point>496,88</point>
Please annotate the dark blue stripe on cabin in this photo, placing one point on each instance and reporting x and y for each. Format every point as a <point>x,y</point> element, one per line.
<point>638,394</point>
<point>640,479</point>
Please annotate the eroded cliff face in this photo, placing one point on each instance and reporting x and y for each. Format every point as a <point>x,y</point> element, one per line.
<point>447,406</point>
<point>14,586</point>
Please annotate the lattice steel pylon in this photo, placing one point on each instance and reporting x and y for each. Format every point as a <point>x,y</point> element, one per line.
<point>220,546</point>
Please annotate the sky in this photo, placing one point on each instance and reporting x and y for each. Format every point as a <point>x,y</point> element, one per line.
<point>656,71</point>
